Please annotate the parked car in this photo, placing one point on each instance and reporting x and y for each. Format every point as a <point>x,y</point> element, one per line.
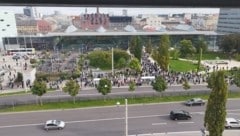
<point>180,115</point>
<point>16,56</point>
<point>232,123</point>
<point>54,124</point>
<point>195,101</point>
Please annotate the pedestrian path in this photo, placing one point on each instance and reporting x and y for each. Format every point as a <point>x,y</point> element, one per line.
<point>190,133</point>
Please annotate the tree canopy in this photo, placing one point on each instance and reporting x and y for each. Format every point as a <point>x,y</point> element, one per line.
<point>215,113</point>
<point>135,65</point>
<point>160,84</point>
<point>186,48</point>
<point>72,88</point>
<point>135,47</point>
<point>39,88</point>
<point>104,86</point>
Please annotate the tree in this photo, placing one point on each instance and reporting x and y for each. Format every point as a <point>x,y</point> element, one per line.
<point>162,55</point>
<point>236,76</point>
<point>186,85</point>
<point>39,88</point>
<point>228,43</point>
<point>201,44</point>
<point>72,88</point>
<point>135,47</point>
<point>148,48</point>
<point>160,84</point>
<point>186,48</point>
<point>199,60</point>
<point>135,65</point>
<point>215,113</point>
<point>132,86</point>
<point>104,87</point>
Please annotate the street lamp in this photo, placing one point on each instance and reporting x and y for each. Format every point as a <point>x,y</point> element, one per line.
<point>126,116</point>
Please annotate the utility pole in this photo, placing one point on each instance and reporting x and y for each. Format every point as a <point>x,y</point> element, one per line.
<point>112,63</point>
<point>126,117</point>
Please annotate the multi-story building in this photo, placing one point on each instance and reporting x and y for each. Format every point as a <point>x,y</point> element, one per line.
<point>229,21</point>
<point>26,27</point>
<point>43,27</point>
<point>33,27</point>
<point>119,22</point>
<point>91,21</point>
<point>7,26</point>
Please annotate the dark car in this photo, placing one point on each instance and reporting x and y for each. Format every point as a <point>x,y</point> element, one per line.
<point>195,101</point>
<point>180,115</point>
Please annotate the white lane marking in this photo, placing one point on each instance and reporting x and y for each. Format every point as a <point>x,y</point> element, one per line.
<point>22,125</point>
<point>83,121</point>
<point>159,124</point>
<point>185,122</point>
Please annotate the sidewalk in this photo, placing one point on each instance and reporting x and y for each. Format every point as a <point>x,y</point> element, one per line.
<point>191,133</point>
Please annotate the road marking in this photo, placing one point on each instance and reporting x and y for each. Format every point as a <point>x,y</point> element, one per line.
<point>185,122</point>
<point>159,124</point>
<point>22,125</point>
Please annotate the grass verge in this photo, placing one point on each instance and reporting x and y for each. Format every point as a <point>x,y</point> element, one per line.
<point>108,102</point>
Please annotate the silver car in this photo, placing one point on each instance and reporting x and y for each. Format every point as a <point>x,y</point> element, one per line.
<point>232,123</point>
<point>195,101</point>
<point>54,124</point>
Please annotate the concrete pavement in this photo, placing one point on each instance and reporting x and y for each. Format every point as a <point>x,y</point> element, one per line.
<point>191,133</point>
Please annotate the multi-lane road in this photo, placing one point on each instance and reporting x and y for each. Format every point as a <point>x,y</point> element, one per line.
<point>108,121</point>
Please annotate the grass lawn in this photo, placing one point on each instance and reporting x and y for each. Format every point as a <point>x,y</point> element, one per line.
<point>210,56</point>
<point>182,66</point>
<point>108,102</point>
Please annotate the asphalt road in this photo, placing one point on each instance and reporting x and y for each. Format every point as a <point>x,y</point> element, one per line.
<point>108,121</point>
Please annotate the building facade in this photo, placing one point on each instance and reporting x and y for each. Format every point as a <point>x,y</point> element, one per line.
<point>229,21</point>
<point>7,26</point>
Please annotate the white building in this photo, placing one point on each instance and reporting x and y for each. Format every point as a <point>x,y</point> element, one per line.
<point>7,26</point>
<point>229,21</point>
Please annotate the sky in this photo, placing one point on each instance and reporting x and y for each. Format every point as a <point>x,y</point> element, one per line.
<point>114,11</point>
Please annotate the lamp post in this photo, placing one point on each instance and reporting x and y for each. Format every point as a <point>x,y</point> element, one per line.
<point>112,63</point>
<point>126,116</point>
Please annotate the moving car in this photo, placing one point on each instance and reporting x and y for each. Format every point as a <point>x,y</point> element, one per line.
<point>195,101</point>
<point>54,124</point>
<point>180,115</point>
<point>232,123</point>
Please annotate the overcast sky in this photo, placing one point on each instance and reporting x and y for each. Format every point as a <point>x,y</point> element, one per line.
<point>115,11</point>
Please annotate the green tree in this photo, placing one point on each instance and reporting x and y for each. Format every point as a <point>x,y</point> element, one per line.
<point>199,60</point>
<point>228,43</point>
<point>148,48</point>
<point>72,88</point>
<point>104,87</point>
<point>131,86</point>
<point>174,54</point>
<point>186,48</point>
<point>215,113</point>
<point>162,55</point>
<point>135,47</point>
<point>135,65</point>
<point>186,85</point>
<point>39,88</point>
<point>160,84</point>
<point>201,44</point>
<point>236,76</point>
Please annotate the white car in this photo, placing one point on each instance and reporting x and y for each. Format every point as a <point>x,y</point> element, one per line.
<point>232,123</point>
<point>54,124</point>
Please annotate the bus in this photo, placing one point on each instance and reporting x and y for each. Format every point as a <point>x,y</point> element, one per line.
<point>21,51</point>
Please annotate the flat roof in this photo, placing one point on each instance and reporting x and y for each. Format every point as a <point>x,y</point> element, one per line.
<point>133,33</point>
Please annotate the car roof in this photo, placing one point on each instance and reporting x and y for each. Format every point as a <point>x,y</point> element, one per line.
<point>231,120</point>
<point>51,121</point>
<point>179,111</point>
